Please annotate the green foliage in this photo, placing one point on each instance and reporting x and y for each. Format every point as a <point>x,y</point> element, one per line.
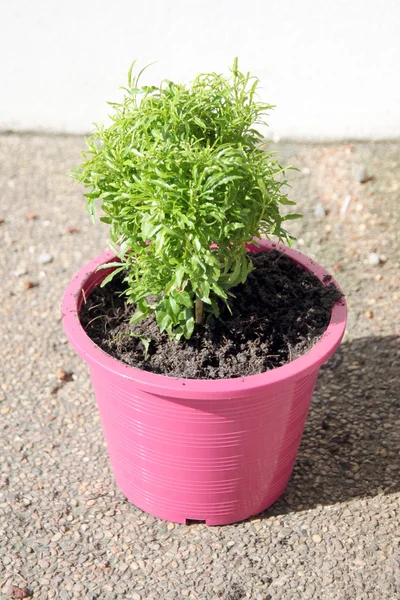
<point>184,185</point>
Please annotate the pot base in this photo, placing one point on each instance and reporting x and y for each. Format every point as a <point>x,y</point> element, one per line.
<point>212,521</point>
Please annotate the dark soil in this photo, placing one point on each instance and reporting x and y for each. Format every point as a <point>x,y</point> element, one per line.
<point>277,315</point>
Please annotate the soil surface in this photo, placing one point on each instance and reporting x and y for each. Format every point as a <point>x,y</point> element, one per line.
<point>277,315</point>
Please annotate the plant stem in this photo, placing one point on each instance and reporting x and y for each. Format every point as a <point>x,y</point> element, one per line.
<point>199,311</point>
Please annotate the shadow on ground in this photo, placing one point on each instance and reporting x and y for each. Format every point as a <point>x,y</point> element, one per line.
<point>350,446</point>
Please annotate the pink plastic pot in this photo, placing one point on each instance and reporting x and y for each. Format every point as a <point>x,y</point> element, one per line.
<point>213,451</point>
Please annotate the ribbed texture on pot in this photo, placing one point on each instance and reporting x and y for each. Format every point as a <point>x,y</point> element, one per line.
<point>209,460</point>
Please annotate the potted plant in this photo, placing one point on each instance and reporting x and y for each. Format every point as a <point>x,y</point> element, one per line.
<point>205,342</point>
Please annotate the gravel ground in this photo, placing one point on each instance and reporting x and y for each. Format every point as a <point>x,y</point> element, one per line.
<point>66,532</point>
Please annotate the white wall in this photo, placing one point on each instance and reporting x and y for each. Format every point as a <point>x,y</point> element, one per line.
<point>330,66</point>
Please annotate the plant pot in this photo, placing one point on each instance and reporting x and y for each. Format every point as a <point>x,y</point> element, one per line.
<point>217,451</point>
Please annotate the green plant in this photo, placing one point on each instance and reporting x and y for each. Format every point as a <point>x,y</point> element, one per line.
<point>184,185</point>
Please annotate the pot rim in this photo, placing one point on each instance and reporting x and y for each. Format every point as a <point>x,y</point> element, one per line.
<point>164,385</point>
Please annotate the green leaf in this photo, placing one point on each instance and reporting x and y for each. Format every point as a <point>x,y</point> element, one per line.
<point>197,263</point>
<point>149,228</point>
<point>292,216</point>
<point>246,268</point>
<point>234,277</point>
<point>204,292</point>
<point>189,328</point>
<point>159,241</point>
<point>219,291</point>
<point>163,184</point>
<point>136,153</point>
<point>130,72</point>
<point>174,306</point>
<point>215,308</point>
<point>138,316</point>
<point>165,322</point>
<point>283,200</point>
<point>196,244</point>
<point>91,207</point>
<point>199,122</point>
<point>177,278</point>
<point>146,343</point>
<point>111,276</point>
<point>183,298</point>
<point>109,265</point>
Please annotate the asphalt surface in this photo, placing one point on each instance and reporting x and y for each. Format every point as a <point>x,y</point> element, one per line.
<point>66,532</point>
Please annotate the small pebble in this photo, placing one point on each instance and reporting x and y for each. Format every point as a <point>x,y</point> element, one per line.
<point>319,211</point>
<point>359,562</point>
<point>71,229</point>
<point>383,453</point>
<point>369,314</point>
<point>362,175</point>
<point>13,591</point>
<point>19,272</point>
<point>27,285</point>
<point>2,221</point>
<point>45,258</point>
<point>61,374</point>
<point>31,216</point>
<point>345,205</point>
<point>373,259</point>
<point>306,171</point>
<point>316,538</point>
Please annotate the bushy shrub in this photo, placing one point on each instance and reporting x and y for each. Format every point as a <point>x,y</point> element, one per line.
<point>184,185</point>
